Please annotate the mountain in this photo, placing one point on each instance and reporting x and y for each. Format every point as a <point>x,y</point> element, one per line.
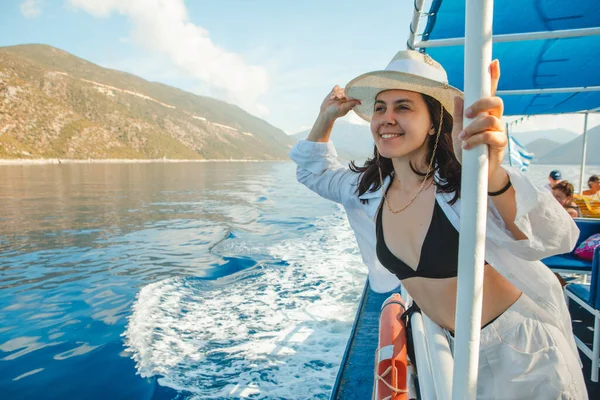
<point>355,142</point>
<point>56,105</point>
<point>556,135</point>
<point>352,142</point>
<point>541,147</point>
<point>570,153</point>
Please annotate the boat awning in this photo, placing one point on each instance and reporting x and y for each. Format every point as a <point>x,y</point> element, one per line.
<point>549,54</point>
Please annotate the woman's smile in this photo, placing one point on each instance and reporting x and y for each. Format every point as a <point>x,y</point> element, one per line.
<point>387,136</point>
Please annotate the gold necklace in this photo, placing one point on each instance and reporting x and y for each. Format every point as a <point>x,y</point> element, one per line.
<point>421,187</point>
<point>387,203</point>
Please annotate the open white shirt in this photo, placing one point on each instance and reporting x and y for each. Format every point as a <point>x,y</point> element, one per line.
<point>549,229</point>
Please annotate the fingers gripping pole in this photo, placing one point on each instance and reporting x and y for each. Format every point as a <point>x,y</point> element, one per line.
<point>478,55</point>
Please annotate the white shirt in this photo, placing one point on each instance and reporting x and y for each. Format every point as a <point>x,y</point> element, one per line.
<point>549,229</point>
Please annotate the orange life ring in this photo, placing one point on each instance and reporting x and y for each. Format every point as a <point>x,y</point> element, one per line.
<point>391,362</point>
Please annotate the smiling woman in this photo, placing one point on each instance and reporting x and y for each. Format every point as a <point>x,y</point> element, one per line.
<point>404,207</point>
<point>415,126</point>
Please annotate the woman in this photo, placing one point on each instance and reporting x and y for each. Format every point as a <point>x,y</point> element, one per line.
<point>593,185</point>
<point>563,193</point>
<point>404,208</point>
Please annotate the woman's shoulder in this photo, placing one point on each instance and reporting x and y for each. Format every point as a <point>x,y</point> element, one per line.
<point>573,210</point>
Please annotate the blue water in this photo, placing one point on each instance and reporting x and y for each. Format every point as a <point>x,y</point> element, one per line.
<point>171,281</point>
<point>174,281</point>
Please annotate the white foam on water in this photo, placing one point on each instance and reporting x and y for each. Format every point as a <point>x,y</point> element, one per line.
<point>26,374</point>
<point>277,333</point>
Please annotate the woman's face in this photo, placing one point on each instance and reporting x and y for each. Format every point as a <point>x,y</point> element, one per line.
<point>400,123</point>
<point>561,197</point>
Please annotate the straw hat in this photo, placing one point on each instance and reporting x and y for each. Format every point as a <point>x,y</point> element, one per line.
<point>408,70</point>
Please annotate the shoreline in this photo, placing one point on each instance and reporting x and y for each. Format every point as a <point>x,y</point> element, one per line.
<point>59,161</point>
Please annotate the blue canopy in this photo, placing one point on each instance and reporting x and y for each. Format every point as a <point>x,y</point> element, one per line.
<point>562,63</point>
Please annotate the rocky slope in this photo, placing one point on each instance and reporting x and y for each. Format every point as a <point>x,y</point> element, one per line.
<point>56,105</point>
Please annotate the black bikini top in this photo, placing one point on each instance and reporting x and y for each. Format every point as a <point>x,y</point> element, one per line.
<point>439,253</point>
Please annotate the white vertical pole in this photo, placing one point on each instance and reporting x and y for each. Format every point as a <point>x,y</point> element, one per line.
<point>595,348</point>
<point>478,55</point>
<point>583,151</point>
<point>509,150</point>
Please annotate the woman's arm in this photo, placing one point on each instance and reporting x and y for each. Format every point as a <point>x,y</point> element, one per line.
<point>318,165</point>
<point>321,129</point>
<point>572,212</point>
<point>320,171</point>
<point>334,106</point>
<point>546,227</point>
<point>505,203</point>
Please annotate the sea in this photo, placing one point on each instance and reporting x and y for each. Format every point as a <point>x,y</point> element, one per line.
<point>220,280</point>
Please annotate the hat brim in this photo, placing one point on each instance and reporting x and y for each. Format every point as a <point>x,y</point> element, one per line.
<point>366,87</point>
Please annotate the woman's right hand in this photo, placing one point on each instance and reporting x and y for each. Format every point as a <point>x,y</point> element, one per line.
<point>336,104</point>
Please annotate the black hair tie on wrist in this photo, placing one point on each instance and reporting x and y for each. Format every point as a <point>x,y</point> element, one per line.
<point>504,189</point>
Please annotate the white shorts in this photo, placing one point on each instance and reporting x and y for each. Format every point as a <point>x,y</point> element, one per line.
<point>521,357</point>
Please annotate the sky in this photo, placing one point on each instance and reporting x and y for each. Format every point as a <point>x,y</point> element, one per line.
<point>277,59</point>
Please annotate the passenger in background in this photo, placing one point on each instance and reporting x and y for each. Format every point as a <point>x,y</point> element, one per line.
<point>563,193</point>
<point>554,177</point>
<point>594,186</point>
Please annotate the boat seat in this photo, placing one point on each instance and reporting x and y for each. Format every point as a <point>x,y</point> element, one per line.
<point>588,297</point>
<point>589,208</point>
<point>569,262</point>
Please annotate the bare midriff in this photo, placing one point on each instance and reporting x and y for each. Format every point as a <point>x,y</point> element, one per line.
<point>437,297</point>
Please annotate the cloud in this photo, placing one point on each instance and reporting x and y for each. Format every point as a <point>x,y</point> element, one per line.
<point>164,28</point>
<point>31,8</point>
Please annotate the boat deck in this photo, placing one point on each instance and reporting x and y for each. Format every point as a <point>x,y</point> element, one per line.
<point>355,377</point>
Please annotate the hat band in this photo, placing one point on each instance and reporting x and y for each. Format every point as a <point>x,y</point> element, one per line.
<point>419,68</point>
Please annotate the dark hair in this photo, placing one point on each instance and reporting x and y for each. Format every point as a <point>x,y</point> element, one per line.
<point>593,178</point>
<point>445,162</point>
<point>564,187</point>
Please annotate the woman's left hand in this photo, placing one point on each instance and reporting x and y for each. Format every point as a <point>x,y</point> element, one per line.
<point>487,127</point>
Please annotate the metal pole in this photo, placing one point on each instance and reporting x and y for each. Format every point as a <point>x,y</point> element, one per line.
<point>471,257</point>
<point>522,92</point>
<point>508,136</point>
<point>583,151</point>
<point>515,37</point>
<point>414,24</point>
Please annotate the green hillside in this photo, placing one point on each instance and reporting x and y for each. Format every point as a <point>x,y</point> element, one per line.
<point>54,104</point>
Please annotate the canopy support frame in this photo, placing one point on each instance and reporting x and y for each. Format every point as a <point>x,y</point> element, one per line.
<point>513,37</point>
<point>522,92</point>
<point>583,153</point>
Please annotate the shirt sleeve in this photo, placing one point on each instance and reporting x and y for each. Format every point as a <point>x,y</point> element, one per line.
<point>318,169</point>
<point>548,227</point>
